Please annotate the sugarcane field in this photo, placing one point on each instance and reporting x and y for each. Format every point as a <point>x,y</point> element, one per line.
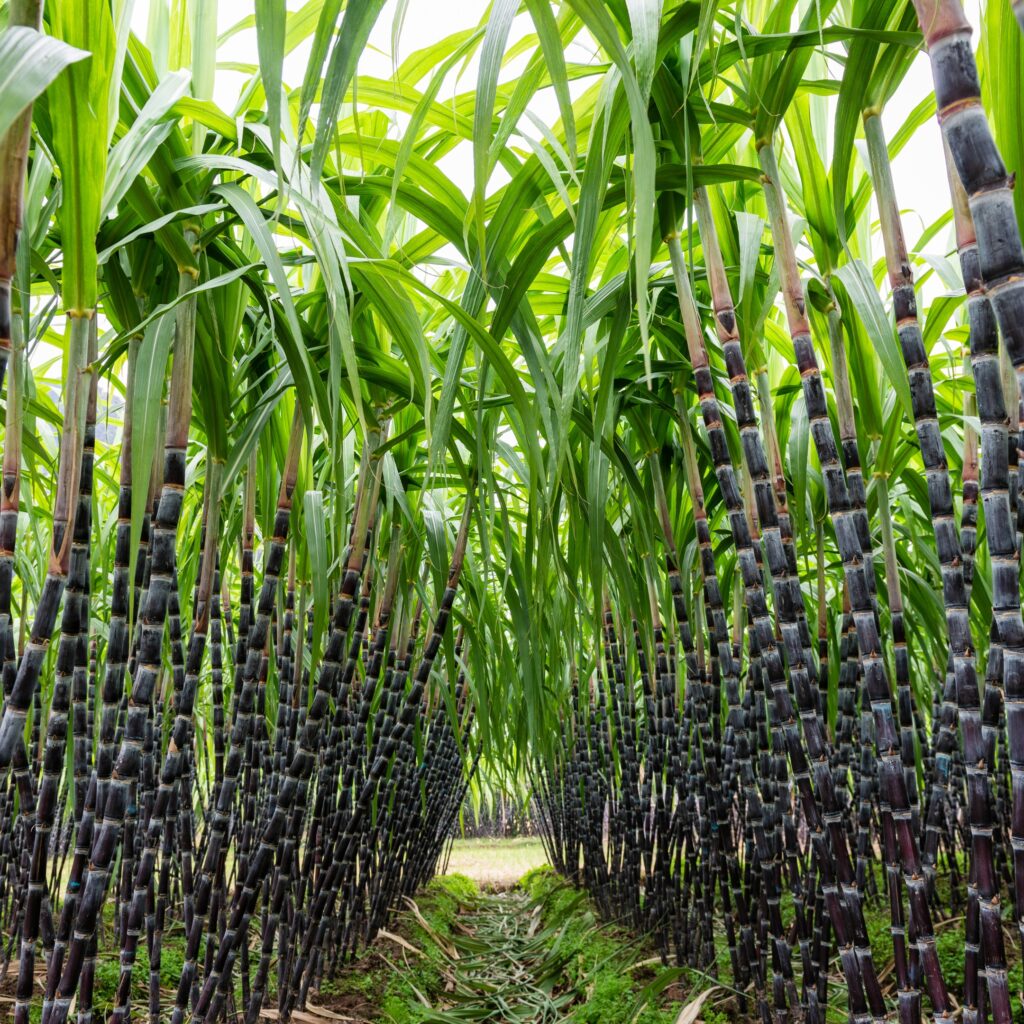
<point>511,511</point>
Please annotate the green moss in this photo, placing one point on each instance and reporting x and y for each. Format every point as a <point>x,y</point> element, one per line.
<point>876,917</point>
<point>459,887</point>
<point>608,992</point>
<point>536,880</point>
<point>396,1010</point>
<point>359,979</point>
<point>596,955</point>
<point>949,944</point>
<point>715,1017</point>
<point>108,972</point>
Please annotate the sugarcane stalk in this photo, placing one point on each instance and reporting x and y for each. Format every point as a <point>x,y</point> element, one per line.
<point>344,845</point>
<point>25,688</point>
<point>152,617</point>
<point>14,147</point>
<point>877,688</point>
<point>9,503</point>
<point>245,706</point>
<point>837,872</point>
<point>178,747</point>
<point>1000,534</point>
<point>727,483</point>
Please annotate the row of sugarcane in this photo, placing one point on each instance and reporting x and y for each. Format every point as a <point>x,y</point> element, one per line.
<point>273,836</point>
<point>274,847</point>
<point>701,775</point>
<point>293,846</point>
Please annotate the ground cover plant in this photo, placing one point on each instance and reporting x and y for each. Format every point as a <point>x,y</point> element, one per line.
<point>574,408</point>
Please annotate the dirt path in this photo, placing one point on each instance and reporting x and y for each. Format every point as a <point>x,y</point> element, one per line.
<point>533,954</point>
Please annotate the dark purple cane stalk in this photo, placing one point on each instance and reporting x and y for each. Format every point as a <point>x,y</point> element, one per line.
<point>25,689</point>
<point>178,747</point>
<point>837,873</point>
<point>10,496</point>
<point>955,594</point>
<point>877,689</point>
<point>67,651</point>
<point>217,676</point>
<point>1000,533</point>
<point>1000,270</point>
<point>334,679</point>
<point>344,845</point>
<point>143,570</point>
<point>969,480</point>
<point>729,488</point>
<point>152,617</point>
<point>79,589</point>
<point>26,681</point>
<point>909,996</point>
<point>245,700</point>
<point>119,629</point>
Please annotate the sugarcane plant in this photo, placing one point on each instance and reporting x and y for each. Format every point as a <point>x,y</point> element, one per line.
<point>648,462</point>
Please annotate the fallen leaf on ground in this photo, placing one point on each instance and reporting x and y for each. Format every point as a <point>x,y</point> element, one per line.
<point>690,1013</point>
<point>391,937</point>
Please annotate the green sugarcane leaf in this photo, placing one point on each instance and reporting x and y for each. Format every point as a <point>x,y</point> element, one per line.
<point>29,62</point>
<point>249,433</point>
<point>499,22</point>
<point>207,113</point>
<point>314,520</point>
<point>208,285</point>
<point>849,106</point>
<point>1001,63</point>
<point>356,24</point>
<point>325,25</point>
<point>437,549</point>
<point>147,411</point>
<point>245,206</point>
<point>600,24</point>
<point>393,485</point>
<point>271,19</point>
<point>156,225</point>
<point>552,44</point>
<point>856,279</point>
<point>148,131</point>
<point>78,112</point>
<point>645,21</point>
<point>412,131</point>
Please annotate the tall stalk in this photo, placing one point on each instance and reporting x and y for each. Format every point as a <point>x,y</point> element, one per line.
<point>876,681</point>
<point>831,850</point>
<point>14,146</point>
<point>1000,536</point>
<point>909,996</point>
<point>254,657</point>
<point>343,846</point>
<point>940,493</point>
<point>179,747</point>
<point>1000,269</point>
<point>10,500</point>
<point>152,619</point>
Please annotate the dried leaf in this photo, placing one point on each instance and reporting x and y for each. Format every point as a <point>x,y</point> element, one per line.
<point>690,1013</point>
<point>401,942</point>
